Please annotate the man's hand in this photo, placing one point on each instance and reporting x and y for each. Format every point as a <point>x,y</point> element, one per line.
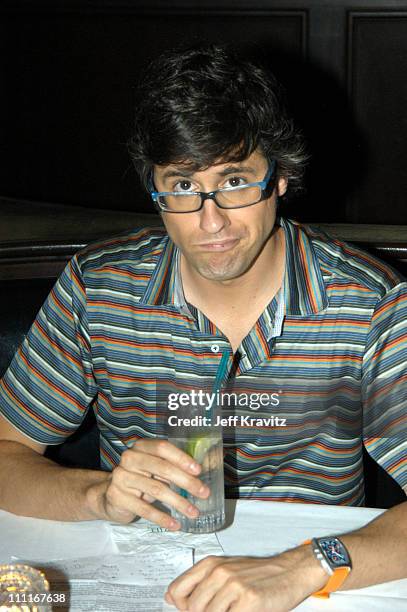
<point>258,584</point>
<point>143,476</point>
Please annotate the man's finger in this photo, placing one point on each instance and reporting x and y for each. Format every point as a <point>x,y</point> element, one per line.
<point>137,463</point>
<point>138,507</point>
<point>160,491</point>
<point>168,451</point>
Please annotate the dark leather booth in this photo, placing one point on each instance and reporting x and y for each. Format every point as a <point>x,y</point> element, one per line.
<point>30,261</point>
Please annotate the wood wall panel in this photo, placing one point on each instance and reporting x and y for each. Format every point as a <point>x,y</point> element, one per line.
<point>377,82</point>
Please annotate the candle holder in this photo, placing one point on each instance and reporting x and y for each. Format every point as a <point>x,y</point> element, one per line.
<point>23,589</point>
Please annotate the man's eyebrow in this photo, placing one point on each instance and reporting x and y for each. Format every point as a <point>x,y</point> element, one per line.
<point>176,172</point>
<point>236,169</point>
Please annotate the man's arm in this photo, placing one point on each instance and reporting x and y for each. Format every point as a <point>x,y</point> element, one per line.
<point>32,485</point>
<point>378,552</point>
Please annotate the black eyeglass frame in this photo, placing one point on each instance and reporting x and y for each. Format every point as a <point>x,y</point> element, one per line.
<point>267,186</point>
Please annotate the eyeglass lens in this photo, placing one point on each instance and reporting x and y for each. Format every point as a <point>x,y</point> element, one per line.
<point>227,199</point>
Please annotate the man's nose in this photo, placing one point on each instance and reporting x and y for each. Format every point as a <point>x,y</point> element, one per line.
<point>213,219</point>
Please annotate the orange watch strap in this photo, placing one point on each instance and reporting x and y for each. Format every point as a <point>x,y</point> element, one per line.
<point>334,581</point>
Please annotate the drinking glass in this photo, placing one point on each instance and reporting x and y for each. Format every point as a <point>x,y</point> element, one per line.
<point>195,429</point>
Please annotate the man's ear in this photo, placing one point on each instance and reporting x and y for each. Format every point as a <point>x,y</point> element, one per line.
<point>282,186</point>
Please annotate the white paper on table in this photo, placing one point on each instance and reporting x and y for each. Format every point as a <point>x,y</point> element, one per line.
<point>143,534</point>
<point>117,582</point>
<point>22,536</point>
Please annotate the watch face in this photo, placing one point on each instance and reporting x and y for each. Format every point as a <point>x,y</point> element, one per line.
<point>335,552</point>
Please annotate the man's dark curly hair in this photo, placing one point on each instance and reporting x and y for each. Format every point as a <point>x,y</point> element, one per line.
<point>208,105</point>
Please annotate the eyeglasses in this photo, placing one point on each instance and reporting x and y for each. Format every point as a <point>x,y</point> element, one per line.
<point>227,198</point>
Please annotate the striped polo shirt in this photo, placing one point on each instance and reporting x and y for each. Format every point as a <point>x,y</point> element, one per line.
<point>116,335</point>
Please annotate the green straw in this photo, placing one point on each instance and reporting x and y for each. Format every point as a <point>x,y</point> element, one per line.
<point>220,373</point>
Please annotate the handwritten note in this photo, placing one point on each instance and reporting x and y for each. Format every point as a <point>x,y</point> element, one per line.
<point>117,582</point>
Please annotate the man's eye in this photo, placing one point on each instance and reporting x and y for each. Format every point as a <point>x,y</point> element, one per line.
<point>183,186</point>
<point>235,181</point>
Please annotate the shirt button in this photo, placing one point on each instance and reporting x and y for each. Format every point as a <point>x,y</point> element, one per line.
<point>215,348</point>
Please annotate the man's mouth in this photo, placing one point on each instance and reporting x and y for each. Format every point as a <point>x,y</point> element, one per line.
<point>218,245</point>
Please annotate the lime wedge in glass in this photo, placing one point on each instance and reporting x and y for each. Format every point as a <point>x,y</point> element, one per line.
<point>198,447</point>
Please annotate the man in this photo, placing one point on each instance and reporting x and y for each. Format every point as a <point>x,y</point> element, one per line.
<point>320,321</point>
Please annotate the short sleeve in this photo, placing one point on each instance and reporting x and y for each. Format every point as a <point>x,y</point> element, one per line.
<point>49,385</point>
<point>384,384</point>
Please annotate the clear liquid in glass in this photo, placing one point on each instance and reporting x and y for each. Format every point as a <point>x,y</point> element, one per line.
<point>208,452</point>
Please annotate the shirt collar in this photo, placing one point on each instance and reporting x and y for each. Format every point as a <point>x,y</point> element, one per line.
<point>160,287</point>
<point>165,286</point>
<point>304,286</point>
<point>179,297</point>
<point>303,289</point>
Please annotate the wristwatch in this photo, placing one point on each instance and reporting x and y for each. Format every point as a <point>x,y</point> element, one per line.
<point>335,559</point>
